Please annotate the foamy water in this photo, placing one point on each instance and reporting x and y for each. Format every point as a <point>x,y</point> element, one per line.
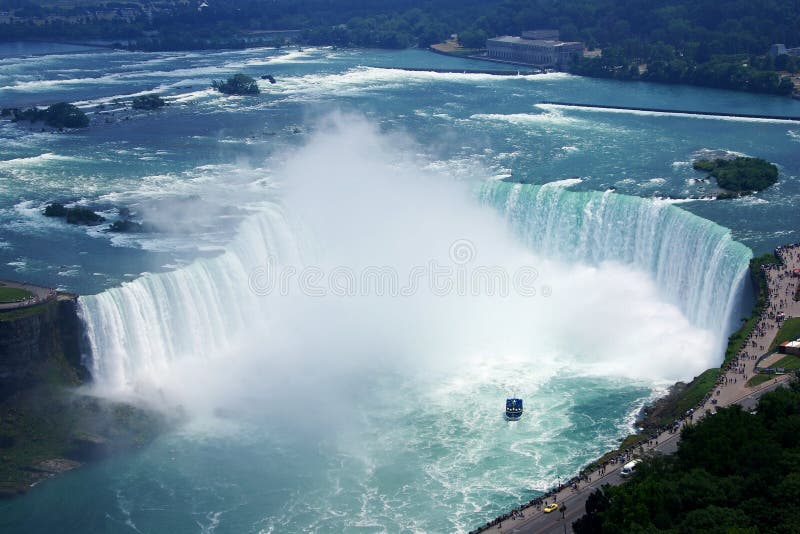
<point>404,427</point>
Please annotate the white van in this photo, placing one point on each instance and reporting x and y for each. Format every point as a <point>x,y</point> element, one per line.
<point>629,468</point>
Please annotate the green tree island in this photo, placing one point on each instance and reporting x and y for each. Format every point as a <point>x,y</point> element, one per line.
<point>739,176</point>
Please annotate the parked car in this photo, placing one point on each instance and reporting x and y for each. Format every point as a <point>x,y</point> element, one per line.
<point>629,468</point>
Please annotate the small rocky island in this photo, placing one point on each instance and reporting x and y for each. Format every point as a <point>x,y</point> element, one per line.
<point>127,226</point>
<point>77,215</point>
<point>739,176</point>
<point>148,102</point>
<point>238,84</point>
<point>85,217</point>
<point>60,115</point>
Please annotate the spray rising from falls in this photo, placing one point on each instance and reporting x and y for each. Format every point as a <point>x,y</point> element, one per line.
<point>627,271</point>
<point>694,262</point>
<point>145,326</point>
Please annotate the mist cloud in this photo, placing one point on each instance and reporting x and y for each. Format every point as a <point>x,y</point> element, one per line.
<point>355,198</point>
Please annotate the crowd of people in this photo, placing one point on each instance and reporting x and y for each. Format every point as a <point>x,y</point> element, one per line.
<point>781,286</point>
<point>782,282</point>
<point>518,513</point>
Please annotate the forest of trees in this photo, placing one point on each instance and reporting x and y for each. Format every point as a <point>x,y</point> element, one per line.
<point>717,43</point>
<point>733,472</point>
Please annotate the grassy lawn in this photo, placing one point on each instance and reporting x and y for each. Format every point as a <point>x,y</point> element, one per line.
<point>788,332</point>
<point>759,379</point>
<point>12,294</point>
<point>737,340</point>
<point>788,362</point>
<point>697,389</point>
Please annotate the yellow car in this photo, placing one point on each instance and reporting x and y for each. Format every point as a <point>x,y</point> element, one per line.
<point>550,508</point>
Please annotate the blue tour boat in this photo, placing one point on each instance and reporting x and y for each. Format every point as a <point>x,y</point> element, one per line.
<point>513,409</point>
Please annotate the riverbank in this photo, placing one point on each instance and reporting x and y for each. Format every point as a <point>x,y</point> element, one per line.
<point>639,72</point>
<point>719,387</point>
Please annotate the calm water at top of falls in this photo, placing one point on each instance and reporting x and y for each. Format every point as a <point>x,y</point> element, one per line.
<point>394,443</point>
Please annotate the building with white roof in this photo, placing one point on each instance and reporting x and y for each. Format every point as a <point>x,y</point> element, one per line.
<point>536,52</point>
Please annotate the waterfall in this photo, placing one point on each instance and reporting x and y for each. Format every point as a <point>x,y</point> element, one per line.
<point>142,327</point>
<point>695,263</point>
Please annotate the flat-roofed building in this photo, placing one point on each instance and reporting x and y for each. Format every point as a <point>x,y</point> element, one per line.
<point>537,52</point>
<point>548,35</point>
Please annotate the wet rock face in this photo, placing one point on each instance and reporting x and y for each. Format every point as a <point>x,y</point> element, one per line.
<point>34,344</point>
<point>47,425</point>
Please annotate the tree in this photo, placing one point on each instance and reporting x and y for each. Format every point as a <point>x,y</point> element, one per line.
<point>740,175</point>
<point>733,472</point>
<point>472,39</point>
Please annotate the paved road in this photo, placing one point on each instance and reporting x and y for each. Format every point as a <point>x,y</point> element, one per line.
<point>553,522</point>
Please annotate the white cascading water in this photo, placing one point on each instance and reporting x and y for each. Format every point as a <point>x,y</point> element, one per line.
<point>695,263</point>
<point>144,326</point>
<point>159,328</point>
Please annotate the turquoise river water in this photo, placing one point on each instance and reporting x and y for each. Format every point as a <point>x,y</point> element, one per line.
<point>347,274</point>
